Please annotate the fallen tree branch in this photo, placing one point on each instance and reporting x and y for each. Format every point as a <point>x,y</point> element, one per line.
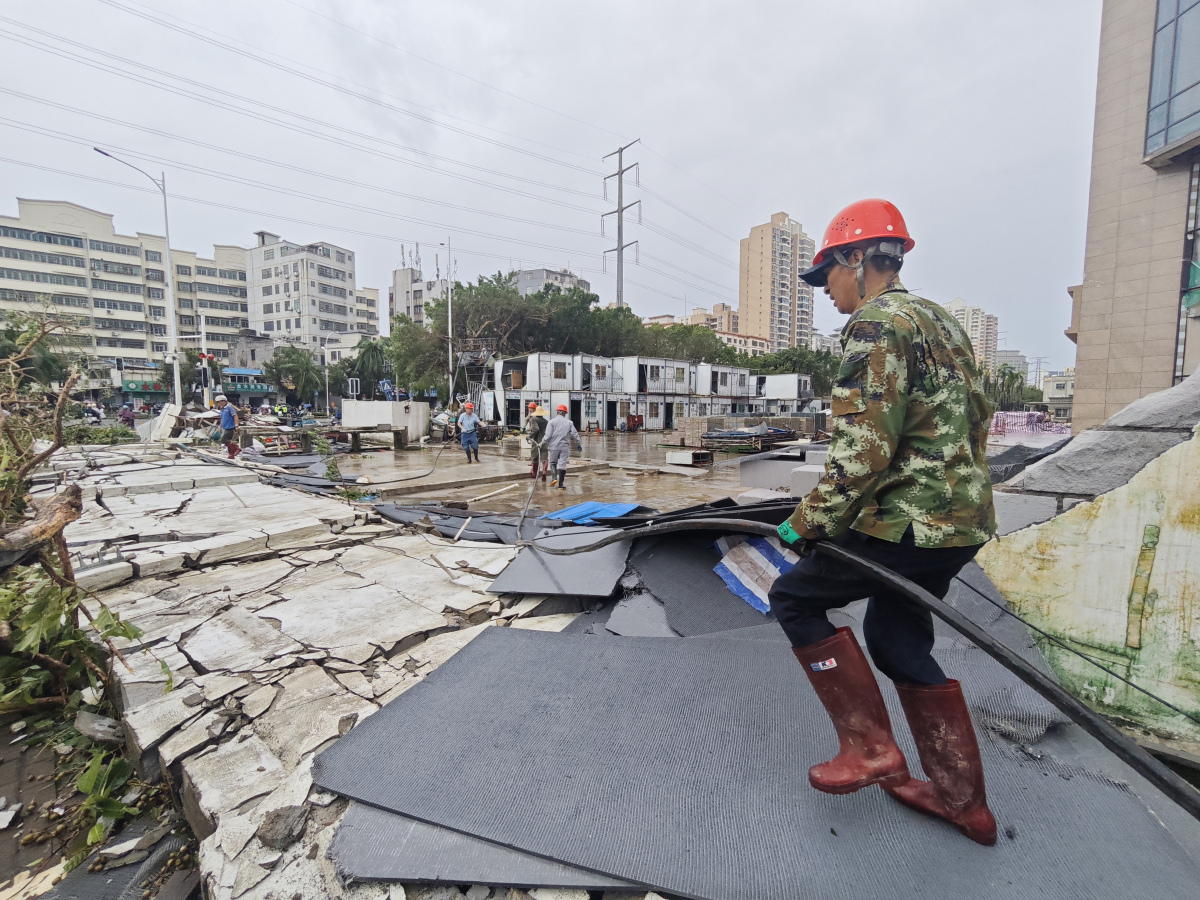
<point>50,518</point>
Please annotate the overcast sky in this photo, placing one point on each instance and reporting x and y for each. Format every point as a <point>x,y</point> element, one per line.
<point>380,123</point>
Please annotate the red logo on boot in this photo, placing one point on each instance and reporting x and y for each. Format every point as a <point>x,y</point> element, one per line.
<point>830,663</point>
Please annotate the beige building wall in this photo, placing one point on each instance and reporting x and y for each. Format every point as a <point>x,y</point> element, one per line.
<point>772,301</point>
<point>1126,313</point>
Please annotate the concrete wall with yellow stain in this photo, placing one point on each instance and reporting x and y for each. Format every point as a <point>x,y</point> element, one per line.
<point>1119,580</point>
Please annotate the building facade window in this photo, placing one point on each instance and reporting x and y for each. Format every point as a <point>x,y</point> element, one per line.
<point>121,249</point>
<point>1174,106</point>
<point>183,270</point>
<point>41,237</point>
<point>53,259</point>
<point>153,256</point>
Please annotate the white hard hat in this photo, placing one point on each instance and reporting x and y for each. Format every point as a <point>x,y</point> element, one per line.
<point>220,397</point>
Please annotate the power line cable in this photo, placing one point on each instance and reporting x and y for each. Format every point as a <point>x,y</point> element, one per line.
<point>445,68</point>
<point>341,89</point>
<point>256,183</point>
<point>335,139</point>
<point>324,225</point>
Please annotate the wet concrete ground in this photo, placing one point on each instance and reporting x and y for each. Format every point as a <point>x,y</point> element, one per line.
<point>499,464</point>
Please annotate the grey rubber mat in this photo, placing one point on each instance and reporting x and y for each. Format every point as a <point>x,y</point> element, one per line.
<point>375,845</point>
<point>678,570</point>
<point>703,791</point>
<point>592,574</point>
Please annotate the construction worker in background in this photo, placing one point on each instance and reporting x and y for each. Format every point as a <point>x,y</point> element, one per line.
<point>560,434</point>
<point>535,428</point>
<point>468,425</point>
<point>126,415</point>
<point>228,425</point>
<point>906,485</point>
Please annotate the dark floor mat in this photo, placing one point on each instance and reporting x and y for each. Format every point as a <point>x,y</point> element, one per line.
<point>375,845</point>
<point>703,791</point>
<point>590,574</point>
<point>678,570</point>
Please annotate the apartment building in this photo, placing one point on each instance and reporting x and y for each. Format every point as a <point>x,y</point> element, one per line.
<point>981,327</point>
<point>722,318</point>
<point>304,294</point>
<point>664,321</point>
<point>772,300</point>
<point>1136,316</point>
<point>828,343</point>
<point>410,292</point>
<point>112,288</point>
<point>1058,393</point>
<point>366,311</point>
<point>745,343</point>
<point>530,281</point>
<point>1015,360</point>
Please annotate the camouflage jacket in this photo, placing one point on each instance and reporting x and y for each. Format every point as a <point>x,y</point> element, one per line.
<point>910,425</point>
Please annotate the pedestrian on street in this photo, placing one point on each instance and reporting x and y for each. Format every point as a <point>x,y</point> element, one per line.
<point>535,428</point>
<point>906,485</point>
<point>468,429</point>
<point>228,425</point>
<point>560,434</point>
<point>126,415</point>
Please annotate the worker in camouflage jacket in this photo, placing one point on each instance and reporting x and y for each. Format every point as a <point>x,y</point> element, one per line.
<point>906,485</point>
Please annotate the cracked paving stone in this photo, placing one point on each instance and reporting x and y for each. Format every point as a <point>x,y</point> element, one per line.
<point>257,703</point>
<point>218,782</point>
<point>235,640</point>
<point>308,712</point>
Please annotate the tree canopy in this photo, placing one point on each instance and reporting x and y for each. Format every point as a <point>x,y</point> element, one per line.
<point>572,321</point>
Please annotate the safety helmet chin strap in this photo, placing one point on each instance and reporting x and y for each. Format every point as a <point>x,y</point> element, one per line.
<point>859,274</point>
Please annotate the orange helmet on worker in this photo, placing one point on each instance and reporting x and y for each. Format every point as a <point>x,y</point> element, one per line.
<point>863,230</point>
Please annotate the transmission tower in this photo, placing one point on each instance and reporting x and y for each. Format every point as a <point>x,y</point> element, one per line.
<point>1038,360</point>
<point>619,212</point>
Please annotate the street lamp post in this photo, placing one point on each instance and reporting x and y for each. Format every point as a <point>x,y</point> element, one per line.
<point>449,320</point>
<point>172,330</point>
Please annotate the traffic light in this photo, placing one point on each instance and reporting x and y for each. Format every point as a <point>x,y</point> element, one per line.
<point>202,375</point>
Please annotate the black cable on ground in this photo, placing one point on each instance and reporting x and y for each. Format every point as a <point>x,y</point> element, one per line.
<point>1172,785</point>
<point>1060,642</point>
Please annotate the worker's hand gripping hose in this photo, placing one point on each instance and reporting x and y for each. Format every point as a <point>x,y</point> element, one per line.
<point>1142,762</point>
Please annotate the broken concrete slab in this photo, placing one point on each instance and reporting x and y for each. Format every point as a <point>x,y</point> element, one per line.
<point>364,613</point>
<point>544,623</point>
<point>1096,462</point>
<point>106,576</point>
<point>1017,511</point>
<point>1176,407</point>
<point>312,708</point>
<point>219,782</point>
<point>149,723</point>
<point>235,640</point>
<point>187,739</point>
<point>257,703</point>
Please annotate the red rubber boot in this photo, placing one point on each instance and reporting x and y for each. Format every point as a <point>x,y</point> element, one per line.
<point>941,726</point>
<point>844,683</point>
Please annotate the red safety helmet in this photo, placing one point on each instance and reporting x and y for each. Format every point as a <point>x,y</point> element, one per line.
<point>533,404</point>
<point>561,408</point>
<point>469,405</point>
<point>860,222</point>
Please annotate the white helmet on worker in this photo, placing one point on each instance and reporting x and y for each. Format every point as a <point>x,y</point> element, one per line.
<point>220,398</point>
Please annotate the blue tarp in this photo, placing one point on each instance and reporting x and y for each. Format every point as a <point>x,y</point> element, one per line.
<point>587,513</point>
<point>749,566</point>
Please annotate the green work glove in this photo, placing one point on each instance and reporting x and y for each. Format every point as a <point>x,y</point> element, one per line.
<point>788,535</point>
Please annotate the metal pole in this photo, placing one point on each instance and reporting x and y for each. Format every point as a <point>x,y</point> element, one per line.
<point>172,330</point>
<point>172,317</point>
<point>620,228</point>
<point>449,323</point>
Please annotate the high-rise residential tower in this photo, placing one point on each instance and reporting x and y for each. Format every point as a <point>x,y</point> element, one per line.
<point>772,300</point>
<point>1136,316</point>
<point>981,327</point>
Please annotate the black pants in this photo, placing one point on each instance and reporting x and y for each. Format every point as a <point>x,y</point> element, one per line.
<point>899,633</point>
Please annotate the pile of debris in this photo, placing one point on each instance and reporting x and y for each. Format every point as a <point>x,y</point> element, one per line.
<point>388,701</point>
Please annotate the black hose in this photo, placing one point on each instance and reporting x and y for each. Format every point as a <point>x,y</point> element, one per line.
<point>1173,786</point>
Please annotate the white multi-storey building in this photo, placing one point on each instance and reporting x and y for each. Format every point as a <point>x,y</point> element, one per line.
<point>113,288</point>
<point>410,292</point>
<point>530,281</point>
<point>303,294</point>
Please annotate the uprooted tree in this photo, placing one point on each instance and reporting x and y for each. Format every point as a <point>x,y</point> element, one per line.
<point>56,655</point>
